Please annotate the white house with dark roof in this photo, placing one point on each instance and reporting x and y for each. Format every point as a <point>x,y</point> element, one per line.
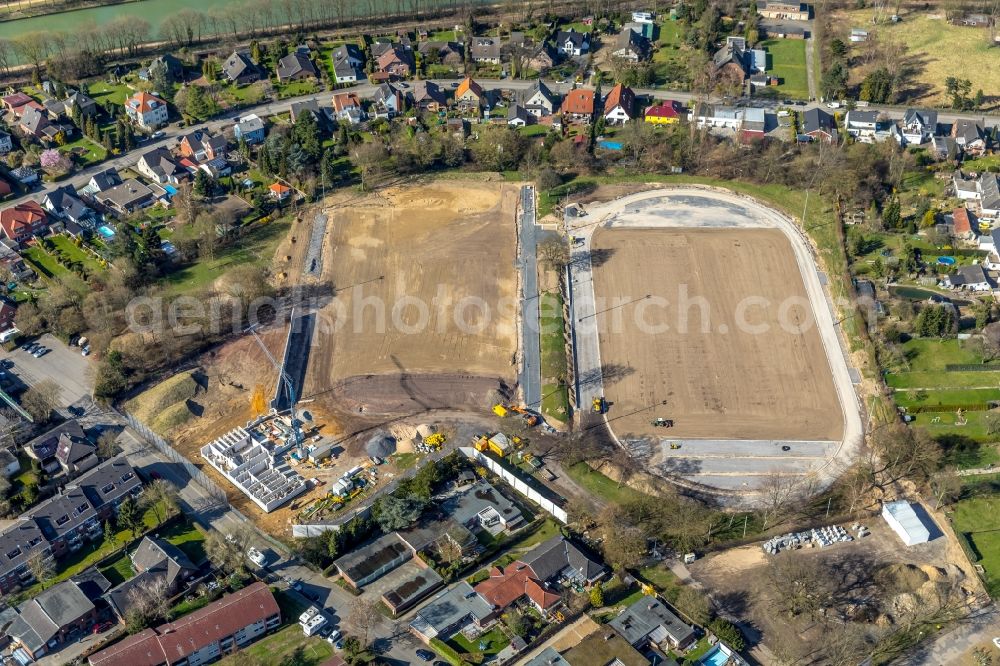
<point>918,126</point>
<point>572,43</point>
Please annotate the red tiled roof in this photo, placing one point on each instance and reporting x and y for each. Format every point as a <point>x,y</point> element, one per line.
<point>505,586</point>
<point>343,101</point>
<point>144,102</point>
<point>173,642</point>
<point>620,96</point>
<point>14,219</point>
<point>963,224</point>
<point>665,109</point>
<point>579,101</point>
<point>466,85</point>
<point>278,188</point>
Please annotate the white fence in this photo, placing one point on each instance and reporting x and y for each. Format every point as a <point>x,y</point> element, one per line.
<point>516,482</point>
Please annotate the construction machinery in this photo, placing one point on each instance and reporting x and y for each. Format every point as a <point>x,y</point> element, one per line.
<point>599,405</point>
<point>500,410</point>
<point>675,446</point>
<point>498,444</point>
<point>662,423</point>
<point>289,386</point>
<point>530,419</point>
<point>258,401</point>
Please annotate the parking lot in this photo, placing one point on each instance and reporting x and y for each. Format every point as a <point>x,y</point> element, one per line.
<point>64,365</point>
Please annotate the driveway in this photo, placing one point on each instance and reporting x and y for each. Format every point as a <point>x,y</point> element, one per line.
<point>64,365</point>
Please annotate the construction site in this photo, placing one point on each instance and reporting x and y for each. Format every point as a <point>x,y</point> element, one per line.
<point>705,341</point>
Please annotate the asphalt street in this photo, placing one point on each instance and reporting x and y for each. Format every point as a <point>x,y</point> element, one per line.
<point>531,361</point>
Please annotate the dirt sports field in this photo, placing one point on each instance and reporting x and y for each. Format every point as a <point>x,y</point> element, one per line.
<point>439,245</point>
<point>719,385</point>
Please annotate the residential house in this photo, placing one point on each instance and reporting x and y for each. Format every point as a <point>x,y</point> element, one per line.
<point>969,278</point>
<point>605,646</point>
<point>9,464</point>
<point>642,17</point>
<point>171,64</point>
<point>783,10</point>
<point>989,196</point>
<point>965,188</point>
<point>619,105</point>
<point>348,63</point>
<point>296,109</point>
<point>159,166</point>
<point>450,611</point>
<point>970,136</point>
<point>918,126</point>
<point>52,619</point>
<point>665,113</point>
<point>65,204</point>
<point>483,507</point>
<point>81,105</point>
<point>18,542</point>
<point>25,175</point>
<point>296,66</point>
<point>279,191</point>
<point>6,144</point>
<point>202,146</point>
<point>538,99</point>
<point>572,43</point>
<point>102,181</point>
<point>866,126</point>
<point>388,101</point>
<point>559,559</point>
<point>739,61</point>
<point>44,447</point>
<point>470,97</point>
<point>147,111</point>
<point>240,68</point>
<point>517,115</point>
<point>11,259</point>
<point>551,657</point>
<point>22,222</point>
<point>34,122</point>
<point>15,103</point>
<point>631,46</point>
<point>5,189</point>
<point>427,96</point>
<point>749,122</point>
<point>127,197</point>
<point>541,59</point>
<point>158,565</point>
<point>649,622</point>
<point>514,583</point>
<point>485,50</point>
<point>347,106</point>
<point>451,54</point>
<point>75,454</point>
<point>411,589</point>
<point>250,128</point>
<point>396,61</point>
<point>579,105</point>
<point>964,224</point>
<point>819,125</point>
<point>222,627</point>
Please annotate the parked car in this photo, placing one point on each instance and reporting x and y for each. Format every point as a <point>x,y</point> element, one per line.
<point>40,352</point>
<point>256,557</point>
<point>426,655</point>
<point>85,352</point>
<point>334,639</point>
<point>158,134</point>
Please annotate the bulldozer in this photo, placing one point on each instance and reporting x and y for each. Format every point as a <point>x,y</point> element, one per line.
<point>599,406</point>
<point>662,423</point>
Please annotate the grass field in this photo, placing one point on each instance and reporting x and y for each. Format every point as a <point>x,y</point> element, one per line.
<point>119,570</point>
<point>50,269</point>
<point>71,250</point>
<point>256,248</point>
<point>788,62</point>
<point>555,400</point>
<point>492,641</point>
<point>595,483</point>
<point>669,59</point>
<point>937,50</point>
<point>979,519</point>
<point>85,151</point>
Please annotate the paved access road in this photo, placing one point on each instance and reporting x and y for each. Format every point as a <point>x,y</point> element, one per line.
<point>531,359</point>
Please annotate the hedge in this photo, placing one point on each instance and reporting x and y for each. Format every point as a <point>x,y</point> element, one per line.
<point>969,407</point>
<point>445,651</point>
<point>968,546</point>
<point>971,367</point>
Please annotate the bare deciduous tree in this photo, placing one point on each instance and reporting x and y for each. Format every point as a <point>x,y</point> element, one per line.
<point>40,565</point>
<point>364,616</point>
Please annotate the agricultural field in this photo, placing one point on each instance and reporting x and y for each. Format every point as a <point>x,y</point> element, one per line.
<point>425,292</point>
<point>787,61</point>
<point>935,50</point>
<point>722,380</point>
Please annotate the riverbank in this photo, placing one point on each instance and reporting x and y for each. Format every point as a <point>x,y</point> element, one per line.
<point>26,9</point>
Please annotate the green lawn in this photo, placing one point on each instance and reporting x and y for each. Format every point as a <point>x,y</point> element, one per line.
<point>66,245</point>
<point>982,163</point>
<point>939,379</point>
<point>296,88</point>
<point>119,570</point>
<point>85,151</point>
<point>977,427</point>
<point>979,519</point>
<point>555,402</point>
<point>49,269</point>
<point>287,645</point>
<point>489,643</point>
<point>188,538</point>
<point>257,247</point>
<point>444,36</point>
<point>601,486</point>
<point>788,63</point>
<point>534,130</point>
<point>909,398</point>
<point>670,57</point>
<point>405,460</point>
<point>116,92</point>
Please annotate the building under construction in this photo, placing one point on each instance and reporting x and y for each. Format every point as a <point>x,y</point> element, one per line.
<point>250,458</point>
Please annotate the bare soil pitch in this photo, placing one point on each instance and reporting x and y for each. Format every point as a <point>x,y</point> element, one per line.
<point>402,261</point>
<point>718,385</point>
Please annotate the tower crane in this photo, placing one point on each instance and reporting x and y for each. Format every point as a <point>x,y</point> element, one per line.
<point>283,378</point>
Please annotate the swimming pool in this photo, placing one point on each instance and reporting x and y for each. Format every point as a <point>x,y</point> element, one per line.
<point>946,261</point>
<point>106,231</point>
<point>717,656</point>
<point>170,189</point>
